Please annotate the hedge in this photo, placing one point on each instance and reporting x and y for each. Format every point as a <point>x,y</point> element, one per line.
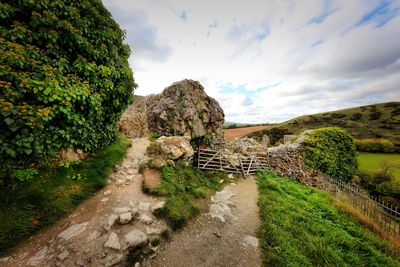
<point>375,145</point>
<point>332,151</point>
<point>64,78</point>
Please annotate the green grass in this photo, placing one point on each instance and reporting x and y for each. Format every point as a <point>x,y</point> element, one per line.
<point>300,226</point>
<point>371,163</point>
<point>31,206</point>
<point>386,125</point>
<point>184,187</point>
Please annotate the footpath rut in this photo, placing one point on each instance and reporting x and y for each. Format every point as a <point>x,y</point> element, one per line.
<point>100,230</point>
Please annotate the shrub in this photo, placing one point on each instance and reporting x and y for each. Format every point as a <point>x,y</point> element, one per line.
<point>64,78</point>
<point>375,145</point>
<point>332,151</point>
<point>375,115</point>
<point>356,116</point>
<point>337,115</point>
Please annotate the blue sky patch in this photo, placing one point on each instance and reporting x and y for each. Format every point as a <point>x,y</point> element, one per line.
<point>380,14</point>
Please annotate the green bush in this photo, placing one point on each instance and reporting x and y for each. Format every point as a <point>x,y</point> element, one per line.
<point>389,188</point>
<point>375,145</point>
<point>332,151</point>
<point>64,78</point>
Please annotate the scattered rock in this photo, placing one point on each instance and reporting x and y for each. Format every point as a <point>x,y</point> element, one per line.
<point>125,218</point>
<point>73,230</point>
<point>137,264</point>
<point>221,212</point>
<point>153,231</point>
<point>80,262</point>
<point>113,259</point>
<point>39,257</point>
<point>172,147</point>
<point>107,192</point>
<point>251,240</point>
<point>121,210</point>
<point>93,235</point>
<point>113,242</point>
<point>157,206</point>
<point>63,256</point>
<point>220,209</point>
<point>104,199</point>
<point>136,238</point>
<point>111,220</point>
<point>144,206</point>
<point>223,196</point>
<point>5,259</point>
<point>145,219</point>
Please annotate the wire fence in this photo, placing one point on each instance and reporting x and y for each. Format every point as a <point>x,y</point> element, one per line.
<point>383,214</point>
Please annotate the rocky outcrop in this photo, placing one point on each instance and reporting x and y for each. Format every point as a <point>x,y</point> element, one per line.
<point>133,122</point>
<point>175,147</point>
<point>185,109</point>
<point>167,149</point>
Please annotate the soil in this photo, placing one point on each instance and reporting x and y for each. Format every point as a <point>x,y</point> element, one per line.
<point>240,132</point>
<point>152,178</point>
<point>207,241</point>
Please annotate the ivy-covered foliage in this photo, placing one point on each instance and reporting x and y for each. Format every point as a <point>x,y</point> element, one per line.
<point>64,78</point>
<point>332,151</point>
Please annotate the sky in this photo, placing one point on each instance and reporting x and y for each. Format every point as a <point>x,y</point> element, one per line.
<point>267,61</point>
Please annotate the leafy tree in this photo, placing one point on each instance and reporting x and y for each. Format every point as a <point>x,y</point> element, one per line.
<point>64,78</point>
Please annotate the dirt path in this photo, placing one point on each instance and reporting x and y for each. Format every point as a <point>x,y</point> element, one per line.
<point>80,239</point>
<point>102,229</point>
<point>240,132</point>
<point>223,237</point>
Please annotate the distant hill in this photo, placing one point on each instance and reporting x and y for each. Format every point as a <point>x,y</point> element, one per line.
<point>372,121</point>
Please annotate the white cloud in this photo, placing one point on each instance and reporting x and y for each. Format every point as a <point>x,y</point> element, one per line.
<point>267,60</point>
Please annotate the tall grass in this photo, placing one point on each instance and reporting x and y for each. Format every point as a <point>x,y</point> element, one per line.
<point>301,226</point>
<point>33,205</point>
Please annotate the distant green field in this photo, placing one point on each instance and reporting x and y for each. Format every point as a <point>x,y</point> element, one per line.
<point>371,163</point>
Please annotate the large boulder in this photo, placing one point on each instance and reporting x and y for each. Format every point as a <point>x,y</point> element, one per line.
<point>133,122</point>
<point>172,147</point>
<point>185,109</point>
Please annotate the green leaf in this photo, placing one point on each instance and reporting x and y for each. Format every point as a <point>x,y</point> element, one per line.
<point>47,91</point>
<point>9,121</point>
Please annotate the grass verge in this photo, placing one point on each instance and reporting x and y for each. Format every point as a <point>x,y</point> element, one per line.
<point>301,226</point>
<point>33,205</point>
<point>184,187</point>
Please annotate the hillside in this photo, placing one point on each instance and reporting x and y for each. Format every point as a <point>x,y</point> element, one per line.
<point>372,121</point>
